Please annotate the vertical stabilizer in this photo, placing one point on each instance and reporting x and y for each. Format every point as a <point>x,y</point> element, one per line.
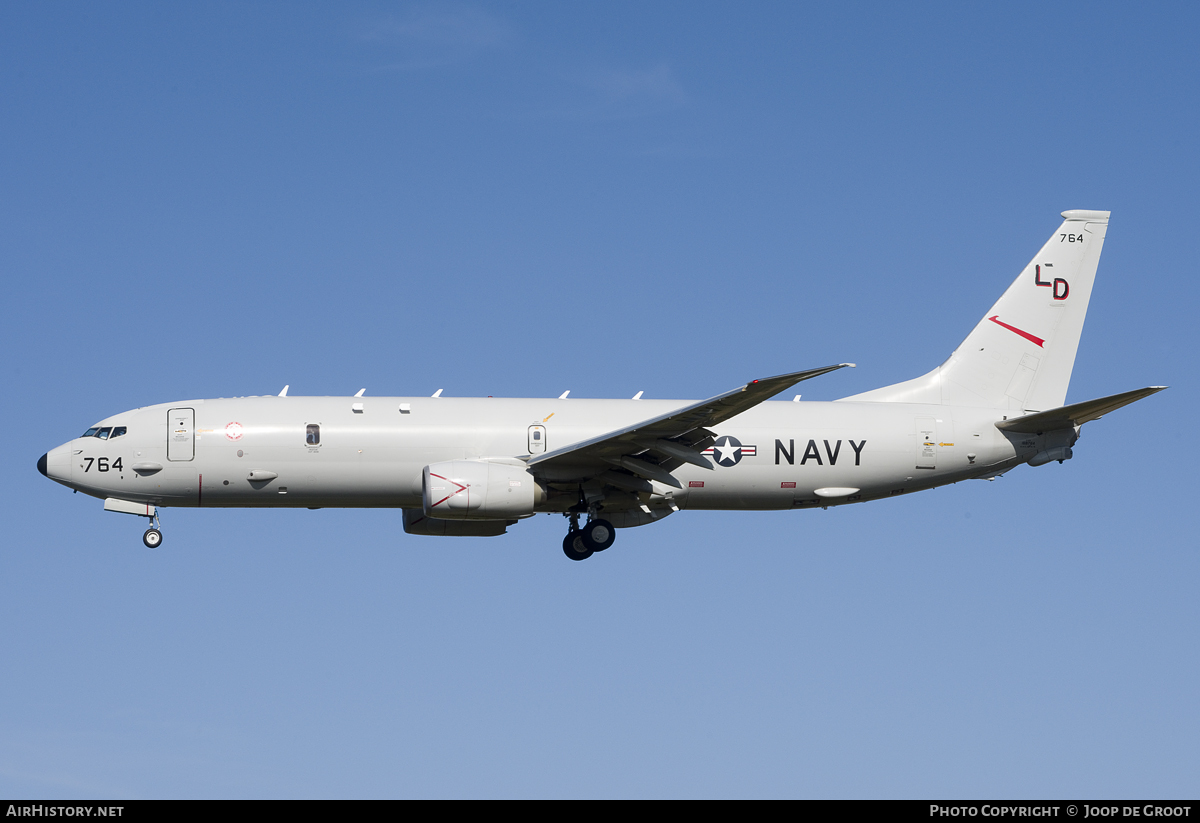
<point>1021,353</point>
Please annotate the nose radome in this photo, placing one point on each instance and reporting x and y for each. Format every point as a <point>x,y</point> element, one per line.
<point>56,464</point>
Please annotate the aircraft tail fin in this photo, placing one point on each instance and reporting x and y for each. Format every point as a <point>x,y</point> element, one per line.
<point>1021,353</point>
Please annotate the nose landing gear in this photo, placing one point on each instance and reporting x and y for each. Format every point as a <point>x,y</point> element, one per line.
<point>595,536</point>
<point>153,537</point>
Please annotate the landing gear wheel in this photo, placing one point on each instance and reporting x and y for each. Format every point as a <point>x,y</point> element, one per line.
<point>598,535</point>
<point>152,538</point>
<point>574,548</point>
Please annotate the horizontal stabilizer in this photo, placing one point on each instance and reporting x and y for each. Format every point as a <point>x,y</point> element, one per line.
<point>1075,414</point>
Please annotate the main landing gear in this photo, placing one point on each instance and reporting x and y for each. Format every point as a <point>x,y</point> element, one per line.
<point>595,536</point>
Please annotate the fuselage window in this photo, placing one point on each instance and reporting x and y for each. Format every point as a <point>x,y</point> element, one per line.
<point>313,435</point>
<point>103,433</point>
<point>117,432</point>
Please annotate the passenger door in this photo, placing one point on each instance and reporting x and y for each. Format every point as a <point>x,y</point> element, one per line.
<point>181,428</point>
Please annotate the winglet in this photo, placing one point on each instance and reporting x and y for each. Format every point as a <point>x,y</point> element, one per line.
<point>359,393</point>
<point>284,392</point>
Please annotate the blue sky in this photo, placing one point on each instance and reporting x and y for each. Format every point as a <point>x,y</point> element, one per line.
<point>519,199</point>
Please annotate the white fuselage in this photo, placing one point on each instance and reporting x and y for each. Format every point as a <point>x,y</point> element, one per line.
<point>370,451</point>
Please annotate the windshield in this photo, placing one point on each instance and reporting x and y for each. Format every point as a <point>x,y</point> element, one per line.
<point>105,433</point>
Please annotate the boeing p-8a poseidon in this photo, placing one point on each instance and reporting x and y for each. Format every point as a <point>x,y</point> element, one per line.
<point>475,466</point>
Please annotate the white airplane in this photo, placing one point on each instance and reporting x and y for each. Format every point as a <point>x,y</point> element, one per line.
<point>475,466</point>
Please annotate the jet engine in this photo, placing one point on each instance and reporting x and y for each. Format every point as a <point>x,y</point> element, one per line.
<point>479,490</point>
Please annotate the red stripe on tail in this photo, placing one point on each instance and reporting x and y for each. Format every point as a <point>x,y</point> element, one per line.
<point>1030,337</point>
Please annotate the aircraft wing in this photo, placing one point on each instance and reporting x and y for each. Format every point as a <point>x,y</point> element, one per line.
<point>667,441</point>
<point>1075,414</point>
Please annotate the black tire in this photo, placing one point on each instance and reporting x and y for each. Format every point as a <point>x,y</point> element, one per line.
<point>574,548</point>
<point>598,535</point>
<point>152,538</point>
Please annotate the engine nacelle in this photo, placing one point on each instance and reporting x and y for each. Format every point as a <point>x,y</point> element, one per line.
<point>479,490</point>
<point>417,522</point>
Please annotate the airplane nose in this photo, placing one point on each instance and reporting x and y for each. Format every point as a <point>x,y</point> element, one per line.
<point>56,464</point>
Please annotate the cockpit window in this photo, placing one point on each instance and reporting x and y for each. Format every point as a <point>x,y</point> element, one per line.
<point>106,433</point>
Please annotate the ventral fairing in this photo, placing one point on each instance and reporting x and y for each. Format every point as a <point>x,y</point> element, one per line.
<point>478,466</point>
